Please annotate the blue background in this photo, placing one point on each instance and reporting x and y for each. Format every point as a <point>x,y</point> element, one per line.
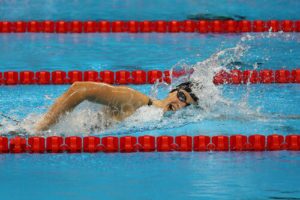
<point>214,175</point>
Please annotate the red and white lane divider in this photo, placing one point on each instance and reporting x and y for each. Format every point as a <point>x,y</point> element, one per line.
<point>124,77</point>
<point>159,26</point>
<point>148,143</point>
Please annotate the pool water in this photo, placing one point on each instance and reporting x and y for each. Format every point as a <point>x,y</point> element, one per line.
<point>148,10</point>
<point>250,109</point>
<point>231,109</point>
<point>259,175</point>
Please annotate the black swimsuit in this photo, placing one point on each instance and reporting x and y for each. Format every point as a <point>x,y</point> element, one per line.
<point>150,102</point>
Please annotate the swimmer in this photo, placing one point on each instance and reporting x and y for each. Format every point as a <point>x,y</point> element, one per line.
<point>120,101</point>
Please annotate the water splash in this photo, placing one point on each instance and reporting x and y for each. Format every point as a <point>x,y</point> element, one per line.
<point>88,118</point>
<point>212,104</point>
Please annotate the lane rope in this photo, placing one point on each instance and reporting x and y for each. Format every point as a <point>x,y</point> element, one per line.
<point>159,26</point>
<point>148,143</point>
<point>139,77</point>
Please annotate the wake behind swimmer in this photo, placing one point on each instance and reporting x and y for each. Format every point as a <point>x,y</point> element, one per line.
<point>121,101</point>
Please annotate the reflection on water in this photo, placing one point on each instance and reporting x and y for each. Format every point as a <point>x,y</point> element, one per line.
<point>235,175</point>
<point>222,109</point>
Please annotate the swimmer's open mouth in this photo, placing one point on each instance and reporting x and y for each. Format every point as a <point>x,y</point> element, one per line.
<point>171,107</point>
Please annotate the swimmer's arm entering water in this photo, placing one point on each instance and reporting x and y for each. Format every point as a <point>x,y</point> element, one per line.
<point>119,98</point>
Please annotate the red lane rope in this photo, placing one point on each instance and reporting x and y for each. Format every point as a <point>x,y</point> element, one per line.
<point>148,143</point>
<point>124,77</point>
<point>160,26</point>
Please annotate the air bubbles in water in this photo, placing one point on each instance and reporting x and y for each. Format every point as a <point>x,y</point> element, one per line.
<point>88,118</point>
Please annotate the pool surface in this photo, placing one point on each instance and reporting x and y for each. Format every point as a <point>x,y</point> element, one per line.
<point>231,109</point>
<point>260,175</point>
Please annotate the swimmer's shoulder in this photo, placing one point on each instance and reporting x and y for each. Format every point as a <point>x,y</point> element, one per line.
<point>134,95</point>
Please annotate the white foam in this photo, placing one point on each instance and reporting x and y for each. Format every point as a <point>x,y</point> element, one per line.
<point>88,118</point>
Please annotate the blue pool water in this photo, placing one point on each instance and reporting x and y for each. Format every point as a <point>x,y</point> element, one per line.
<point>145,10</point>
<point>266,175</point>
<point>264,109</point>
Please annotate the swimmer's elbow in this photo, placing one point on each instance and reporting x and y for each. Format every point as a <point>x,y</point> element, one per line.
<point>77,85</point>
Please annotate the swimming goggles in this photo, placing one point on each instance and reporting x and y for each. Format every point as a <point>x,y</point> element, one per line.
<point>182,97</point>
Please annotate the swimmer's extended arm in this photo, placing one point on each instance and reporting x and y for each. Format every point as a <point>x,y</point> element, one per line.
<point>117,97</point>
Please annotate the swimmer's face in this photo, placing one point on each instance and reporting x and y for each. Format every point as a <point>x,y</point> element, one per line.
<point>177,100</point>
